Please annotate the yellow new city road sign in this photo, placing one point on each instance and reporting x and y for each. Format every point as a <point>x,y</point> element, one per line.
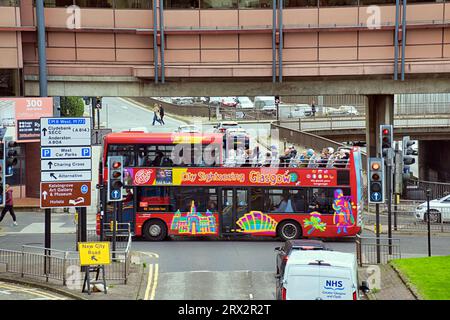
<point>94,253</point>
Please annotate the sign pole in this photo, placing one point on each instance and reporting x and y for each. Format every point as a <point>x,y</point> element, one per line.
<point>389,201</point>
<point>48,239</point>
<point>377,221</point>
<point>428,221</point>
<point>83,233</point>
<point>114,230</point>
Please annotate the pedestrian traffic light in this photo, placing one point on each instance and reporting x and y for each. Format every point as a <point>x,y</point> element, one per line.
<point>376,180</point>
<point>115,178</point>
<point>386,140</point>
<point>10,156</point>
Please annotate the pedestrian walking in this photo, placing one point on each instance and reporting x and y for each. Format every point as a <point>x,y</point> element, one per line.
<point>156,115</point>
<point>161,114</point>
<point>8,205</point>
<point>313,108</point>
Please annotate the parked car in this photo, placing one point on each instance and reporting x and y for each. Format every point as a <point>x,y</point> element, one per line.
<point>189,128</point>
<point>229,102</point>
<point>341,111</point>
<point>266,104</point>
<point>221,127</point>
<point>320,275</point>
<point>439,210</point>
<point>292,245</point>
<point>245,103</point>
<point>300,111</point>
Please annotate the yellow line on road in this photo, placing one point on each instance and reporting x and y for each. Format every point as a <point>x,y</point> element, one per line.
<point>149,281</point>
<point>155,283</point>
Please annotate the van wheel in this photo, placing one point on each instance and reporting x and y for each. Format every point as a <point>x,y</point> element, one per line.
<point>155,230</point>
<point>289,230</point>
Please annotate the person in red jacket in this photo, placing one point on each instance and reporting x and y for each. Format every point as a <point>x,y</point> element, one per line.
<point>8,205</point>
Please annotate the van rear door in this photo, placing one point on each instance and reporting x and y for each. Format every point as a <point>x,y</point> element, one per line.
<point>336,283</point>
<point>302,282</point>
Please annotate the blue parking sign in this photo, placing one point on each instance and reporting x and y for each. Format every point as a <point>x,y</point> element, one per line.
<point>86,152</point>
<point>46,153</point>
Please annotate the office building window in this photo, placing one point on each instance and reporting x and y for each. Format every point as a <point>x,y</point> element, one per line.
<point>300,3</point>
<point>181,4</point>
<point>95,3</point>
<point>255,4</point>
<point>8,81</point>
<point>219,4</point>
<point>9,3</point>
<point>338,3</point>
<point>132,4</point>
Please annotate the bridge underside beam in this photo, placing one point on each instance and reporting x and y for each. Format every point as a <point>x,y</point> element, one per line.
<point>134,87</point>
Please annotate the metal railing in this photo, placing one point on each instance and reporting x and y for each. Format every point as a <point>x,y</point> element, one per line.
<point>53,264</point>
<point>407,217</point>
<point>367,247</point>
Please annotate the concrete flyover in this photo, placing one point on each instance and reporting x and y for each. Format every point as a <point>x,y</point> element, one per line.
<point>431,127</point>
<point>107,86</point>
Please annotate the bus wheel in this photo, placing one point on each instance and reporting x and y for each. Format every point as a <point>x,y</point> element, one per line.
<point>155,230</point>
<point>289,230</point>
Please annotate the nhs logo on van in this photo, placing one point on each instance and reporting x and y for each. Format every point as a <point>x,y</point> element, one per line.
<point>335,285</point>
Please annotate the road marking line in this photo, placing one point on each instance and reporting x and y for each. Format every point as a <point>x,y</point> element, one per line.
<point>251,296</point>
<point>149,281</point>
<point>32,291</point>
<point>155,283</point>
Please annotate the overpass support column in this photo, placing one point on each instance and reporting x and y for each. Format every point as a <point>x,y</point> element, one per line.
<point>379,110</point>
<point>434,160</point>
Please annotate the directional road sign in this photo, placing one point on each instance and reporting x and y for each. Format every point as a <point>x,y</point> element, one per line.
<point>65,194</point>
<point>94,253</point>
<point>57,176</point>
<point>64,165</point>
<point>66,152</point>
<point>65,132</point>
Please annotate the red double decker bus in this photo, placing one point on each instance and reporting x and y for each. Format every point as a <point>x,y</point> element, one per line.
<point>195,197</point>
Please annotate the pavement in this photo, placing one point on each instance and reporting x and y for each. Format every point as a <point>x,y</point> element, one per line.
<point>385,283</point>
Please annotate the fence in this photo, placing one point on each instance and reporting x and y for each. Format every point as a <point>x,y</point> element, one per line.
<point>408,217</point>
<point>438,189</point>
<point>367,247</point>
<point>53,264</point>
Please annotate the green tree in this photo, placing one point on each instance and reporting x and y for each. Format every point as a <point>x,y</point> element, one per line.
<point>72,107</point>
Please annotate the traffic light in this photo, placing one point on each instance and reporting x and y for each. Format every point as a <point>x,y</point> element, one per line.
<point>2,174</point>
<point>277,99</point>
<point>10,156</point>
<point>376,180</point>
<point>115,178</point>
<point>98,102</point>
<point>408,151</point>
<point>386,140</point>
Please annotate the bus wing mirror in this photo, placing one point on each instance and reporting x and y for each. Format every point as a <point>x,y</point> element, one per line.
<point>277,249</point>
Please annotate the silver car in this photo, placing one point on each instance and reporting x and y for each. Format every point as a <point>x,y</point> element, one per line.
<point>439,210</point>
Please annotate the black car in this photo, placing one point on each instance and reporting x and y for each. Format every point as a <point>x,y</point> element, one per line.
<point>285,251</point>
<point>290,245</point>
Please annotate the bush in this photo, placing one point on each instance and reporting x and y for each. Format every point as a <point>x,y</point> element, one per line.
<point>72,107</point>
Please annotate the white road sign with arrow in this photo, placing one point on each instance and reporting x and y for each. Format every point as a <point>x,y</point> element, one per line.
<point>63,165</point>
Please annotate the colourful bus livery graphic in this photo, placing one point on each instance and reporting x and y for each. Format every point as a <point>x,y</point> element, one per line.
<point>257,222</point>
<point>193,222</point>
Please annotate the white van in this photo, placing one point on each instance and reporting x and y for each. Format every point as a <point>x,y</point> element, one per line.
<point>300,110</point>
<point>320,275</point>
<point>266,104</point>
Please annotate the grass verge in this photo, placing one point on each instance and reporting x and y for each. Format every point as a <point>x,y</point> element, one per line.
<point>430,276</point>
